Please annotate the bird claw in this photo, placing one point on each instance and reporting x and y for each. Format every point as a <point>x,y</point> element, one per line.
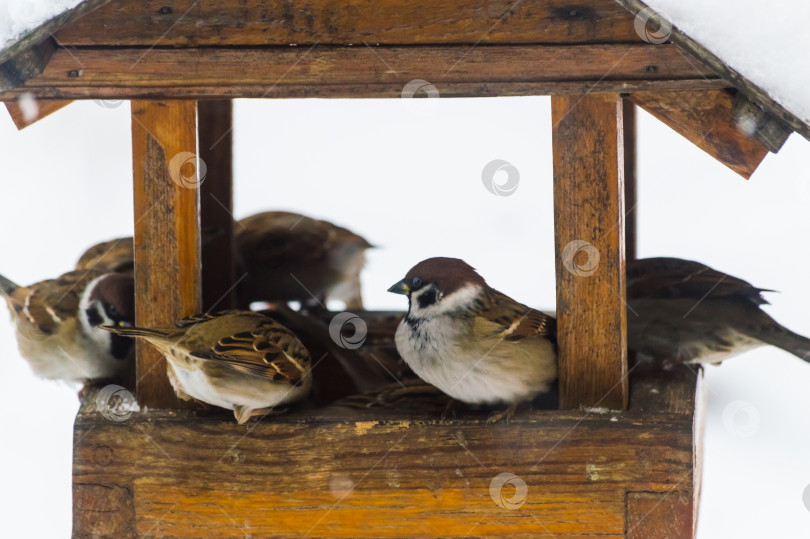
<point>505,415</point>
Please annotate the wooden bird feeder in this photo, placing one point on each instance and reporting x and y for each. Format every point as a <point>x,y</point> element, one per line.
<point>630,467</point>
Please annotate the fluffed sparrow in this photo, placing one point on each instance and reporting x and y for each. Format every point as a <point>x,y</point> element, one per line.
<point>474,343</point>
<point>237,360</point>
<point>56,322</point>
<point>290,257</point>
<point>685,311</point>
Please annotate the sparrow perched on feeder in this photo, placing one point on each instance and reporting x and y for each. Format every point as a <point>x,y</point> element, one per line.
<point>237,360</point>
<point>685,311</point>
<point>290,257</point>
<point>56,322</point>
<point>474,343</point>
<point>116,255</point>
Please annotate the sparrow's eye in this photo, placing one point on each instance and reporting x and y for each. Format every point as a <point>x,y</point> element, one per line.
<point>416,282</point>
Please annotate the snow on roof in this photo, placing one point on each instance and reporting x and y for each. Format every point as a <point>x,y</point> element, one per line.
<point>766,42</point>
<point>20,16</point>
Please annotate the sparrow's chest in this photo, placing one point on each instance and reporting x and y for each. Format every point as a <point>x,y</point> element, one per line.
<point>427,341</point>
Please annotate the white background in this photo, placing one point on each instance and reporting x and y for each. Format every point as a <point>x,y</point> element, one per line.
<point>408,176</point>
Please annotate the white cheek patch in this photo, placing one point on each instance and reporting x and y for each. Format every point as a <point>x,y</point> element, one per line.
<point>98,336</point>
<point>459,299</point>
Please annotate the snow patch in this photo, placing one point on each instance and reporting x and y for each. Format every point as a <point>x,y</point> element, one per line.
<point>20,16</point>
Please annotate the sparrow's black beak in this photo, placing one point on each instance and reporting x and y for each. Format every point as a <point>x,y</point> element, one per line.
<point>401,288</point>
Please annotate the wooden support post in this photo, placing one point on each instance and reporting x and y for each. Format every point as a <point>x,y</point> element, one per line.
<point>589,238</point>
<point>167,242</point>
<point>630,181</point>
<point>216,204</point>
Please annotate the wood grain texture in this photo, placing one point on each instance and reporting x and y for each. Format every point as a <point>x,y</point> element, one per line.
<point>383,71</point>
<point>371,472</point>
<point>376,475</point>
<point>216,204</point>
<point>705,118</point>
<point>185,23</point>
<point>665,515</point>
<point>589,239</point>
<point>726,72</point>
<point>25,65</point>
<point>167,242</point>
<point>44,108</point>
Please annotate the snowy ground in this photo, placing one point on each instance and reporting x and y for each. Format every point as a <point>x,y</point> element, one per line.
<point>410,180</point>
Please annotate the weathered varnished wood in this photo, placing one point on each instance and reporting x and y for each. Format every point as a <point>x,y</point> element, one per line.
<point>728,73</point>
<point>706,119</point>
<point>263,22</point>
<point>216,204</point>
<point>373,472</point>
<point>167,241</point>
<point>663,515</point>
<point>589,241</point>
<point>361,71</point>
<point>25,65</point>
<point>44,108</point>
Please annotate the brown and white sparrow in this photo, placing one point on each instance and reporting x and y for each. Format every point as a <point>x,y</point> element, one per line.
<point>115,255</point>
<point>237,360</point>
<point>56,322</point>
<point>685,311</point>
<point>290,257</point>
<point>474,343</point>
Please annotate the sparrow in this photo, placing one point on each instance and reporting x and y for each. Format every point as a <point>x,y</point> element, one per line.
<point>237,360</point>
<point>290,257</point>
<point>117,255</point>
<point>472,342</point>
<point>56,324</point>
<point>685,311</point>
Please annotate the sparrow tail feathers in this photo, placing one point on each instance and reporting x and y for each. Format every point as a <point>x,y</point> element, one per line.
<point>134,332</point>
<point>7,287</point>
<point>788,341</point>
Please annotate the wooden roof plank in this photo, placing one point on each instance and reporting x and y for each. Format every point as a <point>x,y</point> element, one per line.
<point>707,120</point>
<point>187,23</point>
<point>44,108</point>
<point>360,71</point>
